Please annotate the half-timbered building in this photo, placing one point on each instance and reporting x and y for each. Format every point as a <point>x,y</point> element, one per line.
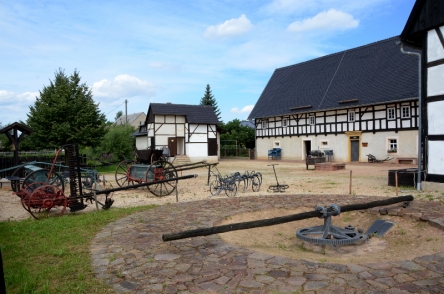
<point>183,129</point>
<point>425,29</point>
<point>355,102</point>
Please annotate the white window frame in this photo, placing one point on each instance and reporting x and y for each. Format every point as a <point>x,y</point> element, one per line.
<point>285,122</point>
<point>391,113</point>
<point>408,110</point>
<point>311,120</point>
<point>264,124</point>
<point>351,116</point>
<point>392,144</point>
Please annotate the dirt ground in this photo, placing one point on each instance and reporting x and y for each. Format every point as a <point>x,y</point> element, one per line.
<point>368,179</point>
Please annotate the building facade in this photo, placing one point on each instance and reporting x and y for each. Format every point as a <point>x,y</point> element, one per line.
<point>354,103</point>
<point>183,129</point>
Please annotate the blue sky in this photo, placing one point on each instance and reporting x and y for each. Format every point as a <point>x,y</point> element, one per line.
<point>168,51</point>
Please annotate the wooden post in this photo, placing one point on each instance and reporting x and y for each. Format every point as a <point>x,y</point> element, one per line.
<point>177,192</point>
<point>350,185</point>
<point>396,182</point>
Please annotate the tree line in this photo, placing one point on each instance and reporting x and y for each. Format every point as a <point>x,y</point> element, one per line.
<point>65,113</point>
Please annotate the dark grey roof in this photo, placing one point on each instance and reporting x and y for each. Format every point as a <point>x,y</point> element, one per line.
<point>194,113</point>
<point>247,123</point>
<point>371,74</point>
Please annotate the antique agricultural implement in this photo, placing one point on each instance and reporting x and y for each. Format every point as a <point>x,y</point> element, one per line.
<point>45,197</point>
<point>129,173</point>
<point>325,234</point>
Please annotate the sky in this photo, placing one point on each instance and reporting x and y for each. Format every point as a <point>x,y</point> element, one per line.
<point>168,51</point>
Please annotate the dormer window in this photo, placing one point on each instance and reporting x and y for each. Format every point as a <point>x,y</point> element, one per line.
<point>351,116</point>
<point>311,120</point>
<point>264,124</point>
<point>285,122</point>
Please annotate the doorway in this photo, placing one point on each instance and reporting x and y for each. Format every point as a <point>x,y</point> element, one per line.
<point>172,145</point>
<point>354,150</point>
<point>307,148</point>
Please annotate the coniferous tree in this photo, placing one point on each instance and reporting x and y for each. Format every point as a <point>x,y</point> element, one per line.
<point>65,113</point>
<point>208,99</point>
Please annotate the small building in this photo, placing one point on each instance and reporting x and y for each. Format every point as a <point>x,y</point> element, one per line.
<point>190,130</point>
<point>425,30</point>
<point>135,119</point>
<point>352,103</point>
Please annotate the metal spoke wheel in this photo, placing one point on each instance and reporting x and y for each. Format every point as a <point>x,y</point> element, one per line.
<point>256,183</point>
<point>45,201</point>
<point>161,171</point>
<point>123,173</point>
<point>25,194</point>
<point>215,188</point>
<point>231,189</point>
<point>43,176</point>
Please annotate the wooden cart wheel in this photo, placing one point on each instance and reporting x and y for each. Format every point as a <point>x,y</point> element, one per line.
<point>161,170</point>
<point>123,173</point>
<point>41,176</point>
<point>46,201</point>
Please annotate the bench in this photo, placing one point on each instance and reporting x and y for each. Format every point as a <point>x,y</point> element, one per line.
<point>407,160</point>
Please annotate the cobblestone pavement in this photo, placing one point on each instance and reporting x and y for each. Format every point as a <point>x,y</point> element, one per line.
<point>130,255</point>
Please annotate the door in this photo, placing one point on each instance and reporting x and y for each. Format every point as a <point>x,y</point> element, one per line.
<point>212,147</point>
<point>172,145</point>
<point>354,150</point>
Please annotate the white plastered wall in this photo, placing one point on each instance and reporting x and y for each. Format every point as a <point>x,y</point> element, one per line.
<point>377,144</point>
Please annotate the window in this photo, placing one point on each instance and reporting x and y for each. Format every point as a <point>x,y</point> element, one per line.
<point>311,120</point>
<point>405,111</point>
<point>351,116</point>
<point>392,146</point>
<point>391,113</point>
<point>264,124</point>
<point>285,122</point>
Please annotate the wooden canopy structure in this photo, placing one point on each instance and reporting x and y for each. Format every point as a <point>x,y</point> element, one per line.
<point>12,132</point>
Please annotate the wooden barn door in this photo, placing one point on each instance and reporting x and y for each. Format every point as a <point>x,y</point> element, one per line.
<point>172,145</point>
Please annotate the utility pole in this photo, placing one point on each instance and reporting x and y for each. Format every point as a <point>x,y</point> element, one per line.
<point>126,111</point>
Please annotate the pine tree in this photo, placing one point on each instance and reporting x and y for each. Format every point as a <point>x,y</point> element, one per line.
<point>65,113</point>
<point>208,99</point>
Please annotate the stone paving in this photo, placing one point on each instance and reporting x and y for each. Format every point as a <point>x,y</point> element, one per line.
<point>130,255</point>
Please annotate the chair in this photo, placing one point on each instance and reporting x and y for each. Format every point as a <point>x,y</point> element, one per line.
<point>272,153</point>
<point>278,152</point>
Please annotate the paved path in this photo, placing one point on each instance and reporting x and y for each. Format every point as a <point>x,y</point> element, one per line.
<point>130,255</point>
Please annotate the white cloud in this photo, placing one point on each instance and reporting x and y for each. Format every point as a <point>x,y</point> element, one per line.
<point>245,109</point>
<point>331,20</point>
<point>123,86</point>
<point>230,28</point>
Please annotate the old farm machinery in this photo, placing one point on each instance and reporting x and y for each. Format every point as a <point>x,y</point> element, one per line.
<point>325,234</point>
<point>42,195</point>
<point>130,173</point>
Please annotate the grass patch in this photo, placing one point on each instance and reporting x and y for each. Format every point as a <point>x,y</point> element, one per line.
<point>52,255</point>
<point>106,169</point>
